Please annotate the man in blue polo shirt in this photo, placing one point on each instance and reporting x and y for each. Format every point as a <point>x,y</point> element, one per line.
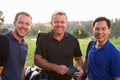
<point>103,58</point>
<point>18,47</point>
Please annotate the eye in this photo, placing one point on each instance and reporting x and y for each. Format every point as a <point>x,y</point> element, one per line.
<point>62,22</point>
<point>27,24</point>
<point>104,28</point>
<point>56,22</point>
<point>97,29</point>
<point>20,22</point>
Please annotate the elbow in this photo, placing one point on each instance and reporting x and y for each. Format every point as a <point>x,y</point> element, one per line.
<point>36,60</point>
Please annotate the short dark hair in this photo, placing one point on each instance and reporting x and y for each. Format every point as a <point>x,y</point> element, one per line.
<point>59,13</point>
<point>24,13</point>
<point>102,19</point>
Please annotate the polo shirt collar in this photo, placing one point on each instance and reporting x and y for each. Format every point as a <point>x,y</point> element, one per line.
<point>51,35</point>
<point>106,45</point>
<point>12,37</point>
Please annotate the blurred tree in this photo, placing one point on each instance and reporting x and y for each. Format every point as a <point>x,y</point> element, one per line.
<point>3,30</point>
<point>81,33</point>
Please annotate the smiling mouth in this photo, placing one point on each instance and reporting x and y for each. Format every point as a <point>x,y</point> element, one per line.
<point>22,30</point>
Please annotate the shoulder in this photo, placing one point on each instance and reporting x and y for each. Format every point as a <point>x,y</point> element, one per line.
<point>3,39</point>
<point>42,35</point>
<point>9,35</point>
<point>70,36</point>
<point>72,39</point>
<point>113,49</point>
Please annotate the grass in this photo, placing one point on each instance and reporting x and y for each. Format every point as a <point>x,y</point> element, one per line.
<point>83,46</point>
<point>31,49</point>
<point>116,42</point>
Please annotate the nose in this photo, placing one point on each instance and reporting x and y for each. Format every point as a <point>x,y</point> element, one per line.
<point>59,24</point>
<point>100,31</point>
<point>24,25</point>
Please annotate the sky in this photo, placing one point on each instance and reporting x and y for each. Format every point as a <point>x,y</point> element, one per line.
<point>76,10</point>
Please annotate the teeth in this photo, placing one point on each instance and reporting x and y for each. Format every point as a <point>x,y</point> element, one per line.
<point>22,30</point>
<point>59,28</point>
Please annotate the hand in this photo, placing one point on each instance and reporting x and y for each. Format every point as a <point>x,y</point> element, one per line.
<point>61,69</point>
<point>79,73</point>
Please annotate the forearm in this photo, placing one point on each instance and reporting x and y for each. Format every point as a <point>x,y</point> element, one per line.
<point>43,63</point>
<point>23,74</point>
<point>79,66</point>
<point>117,78</point>
<point>85,65</point>
<point>79,62</point>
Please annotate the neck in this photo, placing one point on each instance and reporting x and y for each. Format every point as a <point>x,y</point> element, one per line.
<point>59,36</point>
<point>17,37</point>
<point>100,44</point>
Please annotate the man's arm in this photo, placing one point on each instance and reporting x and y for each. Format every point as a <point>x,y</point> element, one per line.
<point>23,74</point>
<point>117,78</point>
<point>79,61</point>
<point>79,66</point>
<point>85,65</point>
<point>43,63</point>
<point>84,69</point>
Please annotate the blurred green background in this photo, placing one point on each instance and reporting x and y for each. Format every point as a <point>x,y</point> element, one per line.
<point>83,46</point>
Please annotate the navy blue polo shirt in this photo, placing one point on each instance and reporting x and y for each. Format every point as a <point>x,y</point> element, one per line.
<point>59,52</point>
<point>16,61</point>
<point>103,63</point>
